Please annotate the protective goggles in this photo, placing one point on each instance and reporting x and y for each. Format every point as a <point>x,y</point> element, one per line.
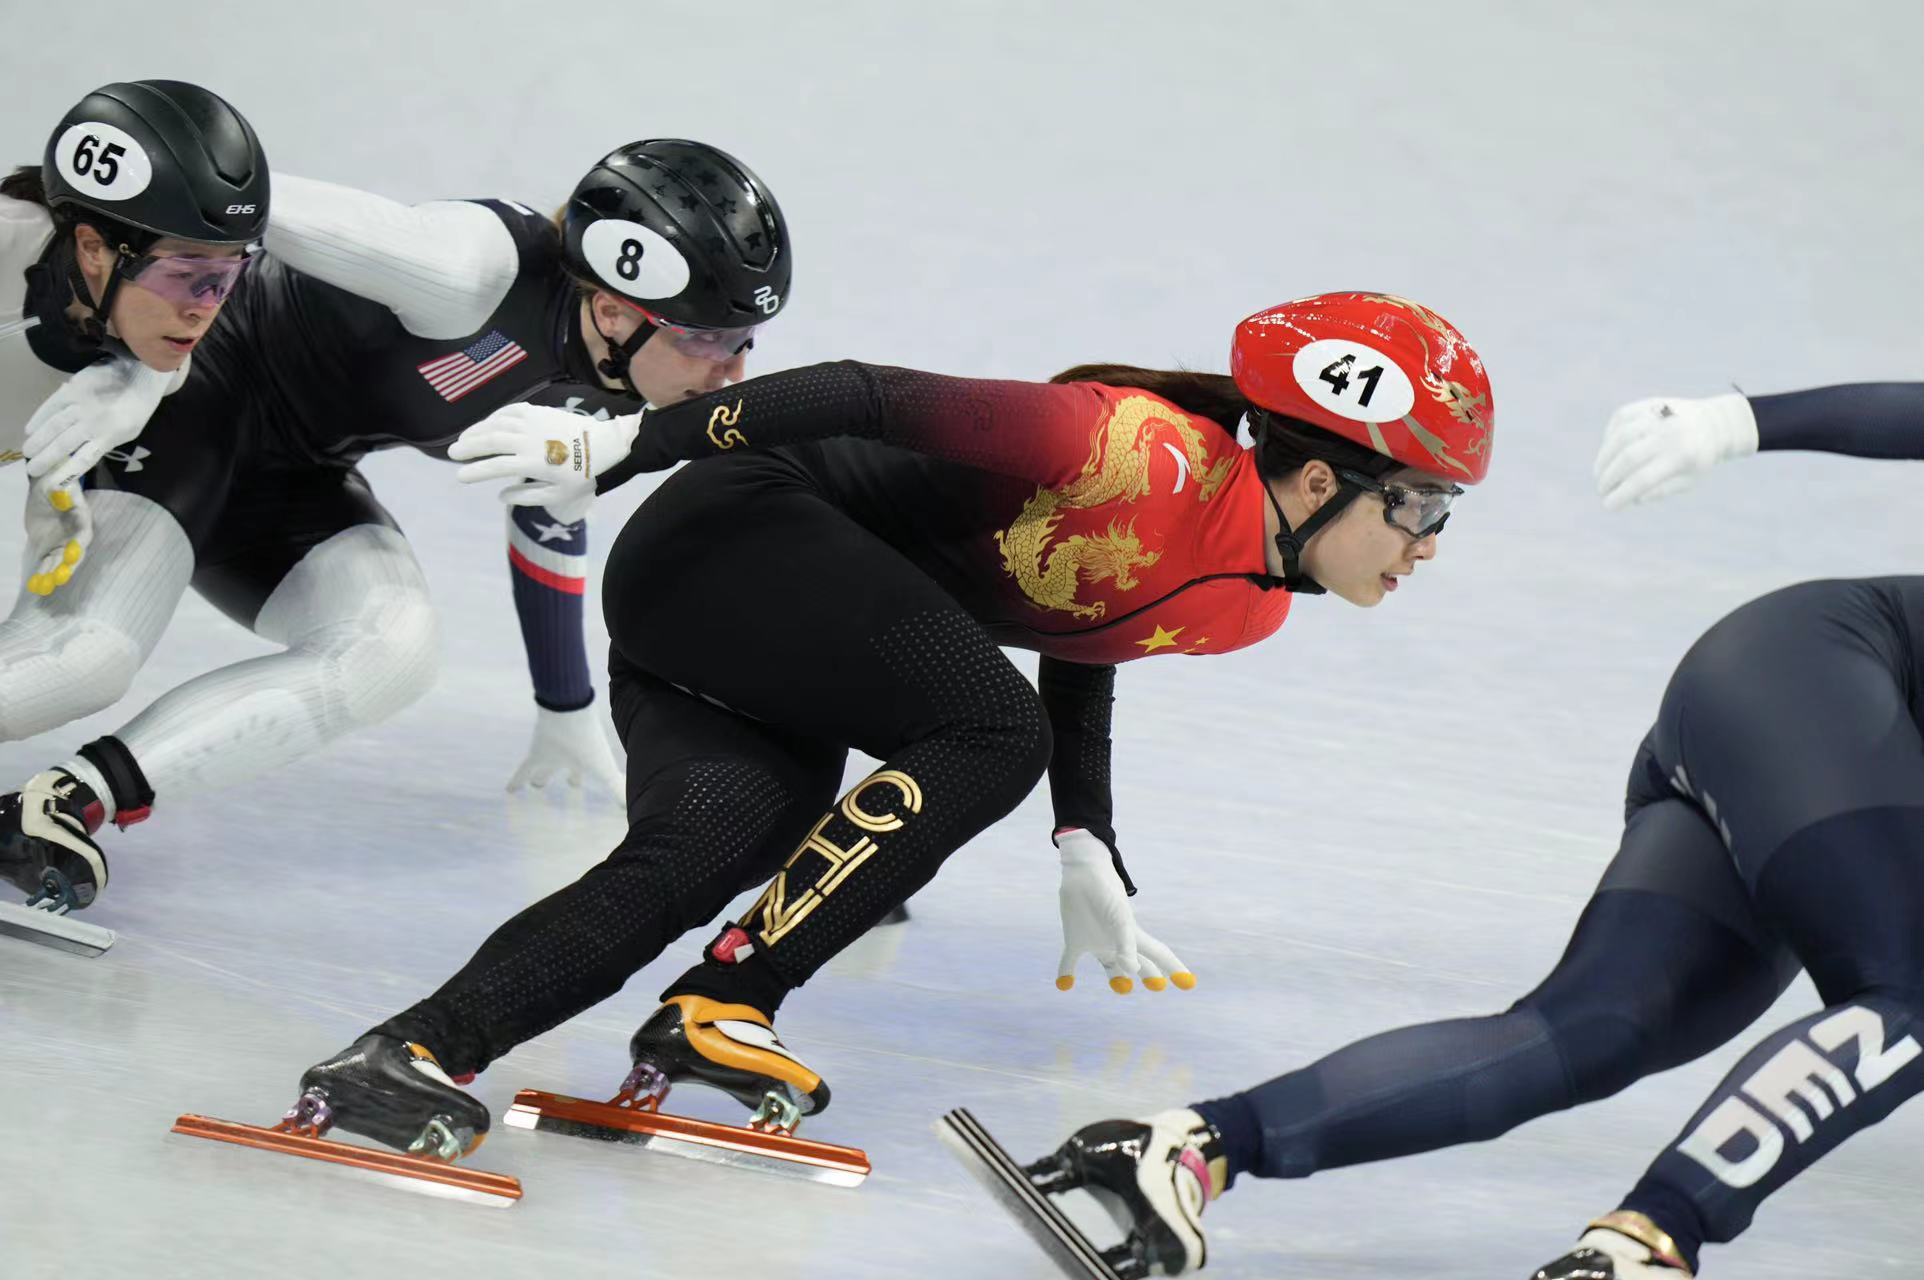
<point>703,344</point>
<point>183,280</point>
<point>1417,512</point>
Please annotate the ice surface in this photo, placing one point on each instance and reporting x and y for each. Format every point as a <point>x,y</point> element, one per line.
<point>1371,819</point>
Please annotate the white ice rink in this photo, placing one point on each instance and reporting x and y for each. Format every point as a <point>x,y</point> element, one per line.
<point>1373,818</point>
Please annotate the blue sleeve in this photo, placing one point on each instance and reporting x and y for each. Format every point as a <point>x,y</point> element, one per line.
<point>1862,419</point>
<point>548,561</point>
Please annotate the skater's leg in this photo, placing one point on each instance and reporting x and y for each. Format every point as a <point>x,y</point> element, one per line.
<point>75,652</point>
<point>1666,963</point>
<point>1800,717</point>
<point>333,581</point>
<point>869,651</point>
<point>712,798</point>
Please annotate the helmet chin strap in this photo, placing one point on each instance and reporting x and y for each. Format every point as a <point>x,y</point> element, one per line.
<point>56,285</point>
<point>615,363</point>
<point>1290,542</point>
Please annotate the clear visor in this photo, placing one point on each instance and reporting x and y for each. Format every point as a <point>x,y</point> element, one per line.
<point>187,281</point>
<point>1418,510</point>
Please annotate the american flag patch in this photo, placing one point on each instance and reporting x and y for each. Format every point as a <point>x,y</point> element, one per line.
<point>453,376</point>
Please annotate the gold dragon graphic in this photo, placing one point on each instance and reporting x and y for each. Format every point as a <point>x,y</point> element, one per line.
<point>1454,396</point>
<point>1117,472</point>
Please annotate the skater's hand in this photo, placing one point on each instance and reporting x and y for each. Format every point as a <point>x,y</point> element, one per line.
<point>571,744</point>
<point>1097,919</point>
<point>1654,448</point>
<point>552,455</point>
<point>60,528</point>
<point>97,410</point>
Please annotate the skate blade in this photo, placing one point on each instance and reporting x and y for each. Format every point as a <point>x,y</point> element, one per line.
<point>1033,1211</point>
<point>414,1173</point>
<point>694,1139</point>
<point>63,933</point>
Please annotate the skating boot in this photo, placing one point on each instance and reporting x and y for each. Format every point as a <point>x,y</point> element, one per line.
<point>1153,1177</point>
<point>389,1090</point>
<point>47,851</point>
<point>1620,1246</point>
<point>729,1047</point>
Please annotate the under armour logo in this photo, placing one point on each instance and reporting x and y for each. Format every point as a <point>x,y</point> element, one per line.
<point>131,460</point>
<point>574,403</point>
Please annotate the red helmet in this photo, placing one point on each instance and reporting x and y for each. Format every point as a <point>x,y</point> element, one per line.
<point>1385,372</point>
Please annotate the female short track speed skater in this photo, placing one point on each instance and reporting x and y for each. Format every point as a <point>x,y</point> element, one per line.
<point>1775,821</point>
<point>116,255</point>
<point>839,570</point>
<point>367,325</point>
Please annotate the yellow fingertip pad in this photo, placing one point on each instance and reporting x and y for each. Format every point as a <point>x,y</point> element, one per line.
<point>1155,984</point>
<point>61,500</point>
<point>72,554</point>
<point>63,575</point>
<point>1122,986</point>
<point>40,584</point>
<point>1184,981</point>
<point>1066,981</point>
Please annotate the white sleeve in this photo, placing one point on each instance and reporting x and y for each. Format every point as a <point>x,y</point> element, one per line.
<point>442,268</point>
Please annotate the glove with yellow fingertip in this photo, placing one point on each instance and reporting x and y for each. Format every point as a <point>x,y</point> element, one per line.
<point>1098,920</point>
<point>60,527</point>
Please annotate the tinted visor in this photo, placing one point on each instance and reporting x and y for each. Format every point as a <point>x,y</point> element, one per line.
<point>704,344</point>
<point>187,281</point>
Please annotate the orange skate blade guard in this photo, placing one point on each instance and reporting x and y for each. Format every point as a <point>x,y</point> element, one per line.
<point>697,1139</point>
<point>415,1173</point>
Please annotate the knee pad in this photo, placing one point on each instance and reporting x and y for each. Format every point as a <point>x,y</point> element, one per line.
<point>359,604</point>
<point>56,670</point>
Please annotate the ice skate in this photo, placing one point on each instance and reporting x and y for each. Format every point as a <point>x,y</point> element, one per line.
<point>47,851</point>
<point>1620,1246</point>
<point>724,1046</point>
<point>1153,1176</point>
<point>395,1093</point>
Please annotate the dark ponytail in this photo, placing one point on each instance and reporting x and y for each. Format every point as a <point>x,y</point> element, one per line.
<point>1283,444</point>
<point>25,183</point>
<point>1207,395</point>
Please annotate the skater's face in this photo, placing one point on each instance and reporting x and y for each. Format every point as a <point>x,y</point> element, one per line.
<point>664,371</point>
<point>162,320</point>
<point>1359,556</point>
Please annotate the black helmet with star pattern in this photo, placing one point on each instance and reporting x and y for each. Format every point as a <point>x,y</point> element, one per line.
<point>683,232</point>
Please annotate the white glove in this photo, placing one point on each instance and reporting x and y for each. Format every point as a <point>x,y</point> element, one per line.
<point>574,743</point>
<point>99,409</point>
<point>552,454</point>
<point>60,527</point>
<point>1654,448</point>
<point>1096,918</point>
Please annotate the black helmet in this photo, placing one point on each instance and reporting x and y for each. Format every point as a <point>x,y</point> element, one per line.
<point>137,162</point>
<point>683,230</point>
<point>159,158</point>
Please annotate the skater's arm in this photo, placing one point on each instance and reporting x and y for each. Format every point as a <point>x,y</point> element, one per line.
<point>548,563</point>
<point>442,268</point>
<point>1033,431</point>
<point>1078,699</point>
<point>1861,419</point>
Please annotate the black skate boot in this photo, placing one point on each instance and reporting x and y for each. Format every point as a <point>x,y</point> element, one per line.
<point>1620,1246</point>
<point>46,848</point>
<point>730,1047</point>
<point>391,1091</point>
<point>1153,1176</point>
